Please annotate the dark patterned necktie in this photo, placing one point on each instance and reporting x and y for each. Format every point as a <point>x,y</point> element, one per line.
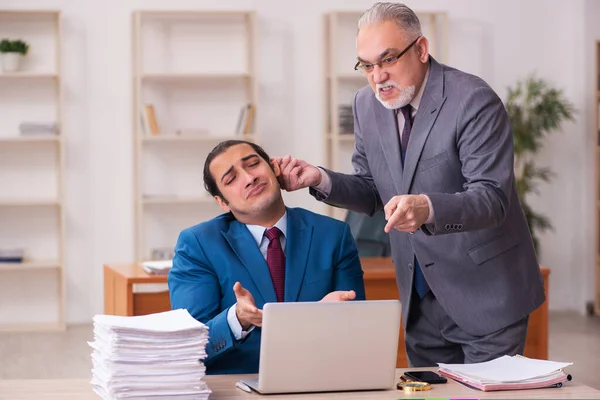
<point>420,283</point>
<point>276,261</point>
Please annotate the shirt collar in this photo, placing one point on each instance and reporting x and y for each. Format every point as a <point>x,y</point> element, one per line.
<point>258,231</point>
<point>417,99</point>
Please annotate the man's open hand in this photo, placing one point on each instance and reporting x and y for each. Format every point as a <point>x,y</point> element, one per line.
<point>245,309</point>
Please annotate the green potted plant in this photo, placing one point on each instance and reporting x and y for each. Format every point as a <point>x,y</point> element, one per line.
<point>11,53</point>
<point>535,109</point>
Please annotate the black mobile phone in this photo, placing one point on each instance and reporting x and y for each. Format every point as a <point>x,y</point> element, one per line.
<point>425,376</point>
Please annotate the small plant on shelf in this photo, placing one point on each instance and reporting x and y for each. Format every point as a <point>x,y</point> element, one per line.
<point>11,53</point>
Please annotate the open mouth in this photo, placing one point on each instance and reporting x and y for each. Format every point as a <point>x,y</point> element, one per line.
<point>386,89</point>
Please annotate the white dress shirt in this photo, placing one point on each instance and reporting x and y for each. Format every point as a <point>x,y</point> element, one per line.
<point>258,233</point>
<point>325,185</point>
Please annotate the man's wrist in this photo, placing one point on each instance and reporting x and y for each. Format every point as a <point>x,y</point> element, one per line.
<point>245,326</point>
<point>319,178</point>
<point>324,185</point>
<point>430,215</point>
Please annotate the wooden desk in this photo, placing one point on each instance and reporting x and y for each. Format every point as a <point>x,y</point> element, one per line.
<point>223,388</point>
<point>380,284</point>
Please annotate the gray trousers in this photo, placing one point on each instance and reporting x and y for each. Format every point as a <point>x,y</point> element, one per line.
<point>432,337</point>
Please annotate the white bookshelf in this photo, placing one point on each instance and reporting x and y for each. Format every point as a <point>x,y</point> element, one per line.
<point>197,70</point>
<point>32,292</point>
<point>342,81</point>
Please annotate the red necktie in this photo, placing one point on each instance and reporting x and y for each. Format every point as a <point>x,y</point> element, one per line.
<point>276,261</point>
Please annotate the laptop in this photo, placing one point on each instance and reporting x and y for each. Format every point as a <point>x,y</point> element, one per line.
<point>330,346</point>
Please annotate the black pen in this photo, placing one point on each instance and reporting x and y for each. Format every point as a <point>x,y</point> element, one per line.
<point>560,384</point>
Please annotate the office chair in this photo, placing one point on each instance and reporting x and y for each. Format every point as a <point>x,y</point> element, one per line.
<point>371,239</point>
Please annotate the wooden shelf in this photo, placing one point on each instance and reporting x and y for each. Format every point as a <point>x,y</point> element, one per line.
<point>194,13</point>
<point>186,77</point>
<point>166,200</point>
<point>596,300</point>
<point>46,163</point>
<point>27,75</point>
<point>29,203</point>
<point>12,13</point>
<point>30,265</point>
<point>195,138</point>
<point>342,137</point>
<point>31,139</point>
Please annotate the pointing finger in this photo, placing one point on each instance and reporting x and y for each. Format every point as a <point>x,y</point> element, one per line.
<point>395,218</point>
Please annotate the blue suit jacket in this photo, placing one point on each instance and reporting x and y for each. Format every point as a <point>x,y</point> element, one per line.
<point>321,257</point>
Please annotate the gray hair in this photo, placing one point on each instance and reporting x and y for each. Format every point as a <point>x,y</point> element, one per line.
<point>405,18</point>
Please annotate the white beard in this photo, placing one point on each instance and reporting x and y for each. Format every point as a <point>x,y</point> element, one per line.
<point>406,95</point>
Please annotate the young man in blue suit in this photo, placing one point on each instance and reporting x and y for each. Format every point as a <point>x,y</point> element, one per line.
<point>259,251</point>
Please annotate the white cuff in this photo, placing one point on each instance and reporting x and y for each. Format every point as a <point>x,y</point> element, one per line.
<point>235,326</point>
<point>325,186</point>
<point>431,216</point>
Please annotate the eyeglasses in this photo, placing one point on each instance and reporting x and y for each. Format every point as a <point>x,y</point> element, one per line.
<point>367,68</point>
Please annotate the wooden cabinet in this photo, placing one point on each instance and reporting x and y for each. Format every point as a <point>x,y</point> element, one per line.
<point>380,284</point>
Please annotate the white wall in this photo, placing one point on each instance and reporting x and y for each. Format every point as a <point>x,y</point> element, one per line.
<point>500,40</point>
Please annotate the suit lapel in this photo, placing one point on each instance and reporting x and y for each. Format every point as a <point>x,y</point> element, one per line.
<point>241,241</point>
<point>298,239</point>
<point>431,103</point>
<point>390,141</point>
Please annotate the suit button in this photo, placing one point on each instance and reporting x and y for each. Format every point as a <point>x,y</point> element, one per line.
<point>410,267</point>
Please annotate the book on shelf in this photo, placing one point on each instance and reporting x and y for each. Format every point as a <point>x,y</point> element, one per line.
<point>508,373</point>
<point>11,255</point>
<point>192,132</point>
<point>245,119</point>
<point>30,128</point>
<point>149,121</point>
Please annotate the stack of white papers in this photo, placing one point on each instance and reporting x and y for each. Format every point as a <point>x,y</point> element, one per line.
<point>157,267</point>
<point>149,357</point>
<point>508,373</point>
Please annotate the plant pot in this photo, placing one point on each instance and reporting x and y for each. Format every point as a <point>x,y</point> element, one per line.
<point>10,61</point>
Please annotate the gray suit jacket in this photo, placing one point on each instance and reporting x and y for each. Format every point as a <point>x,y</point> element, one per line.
<point>477,256</point>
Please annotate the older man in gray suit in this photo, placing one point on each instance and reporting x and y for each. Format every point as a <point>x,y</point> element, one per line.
<point>434,149</point>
